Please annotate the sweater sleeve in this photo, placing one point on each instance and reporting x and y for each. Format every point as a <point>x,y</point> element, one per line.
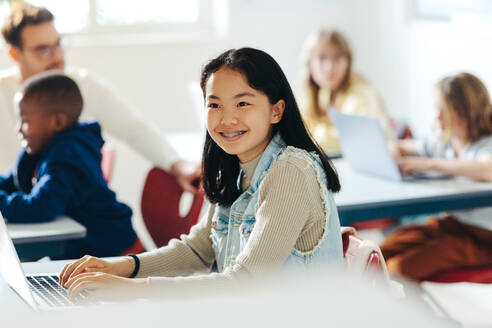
<point>280,218</point>
<point>7,183</point>
<point>184,256</point>
<point>47,199</point>
<point>125,123</point>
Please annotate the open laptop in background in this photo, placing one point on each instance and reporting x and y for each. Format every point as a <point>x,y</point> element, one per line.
<point>365,148</point>
<point>39,291</point>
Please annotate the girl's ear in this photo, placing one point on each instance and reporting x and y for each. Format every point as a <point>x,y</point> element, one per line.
<point>277,111</point>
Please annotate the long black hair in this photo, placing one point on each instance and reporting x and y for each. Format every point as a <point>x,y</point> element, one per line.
<point>221,170</point>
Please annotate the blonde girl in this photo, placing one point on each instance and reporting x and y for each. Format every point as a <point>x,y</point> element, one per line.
<point>328,81</point>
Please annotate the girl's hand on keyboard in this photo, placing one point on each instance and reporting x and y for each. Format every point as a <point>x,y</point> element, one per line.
<point>105,286</point>
<point>413,164</point>
<point>122,266</point>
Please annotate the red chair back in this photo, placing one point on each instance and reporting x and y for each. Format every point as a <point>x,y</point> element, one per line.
<point>160,207</point>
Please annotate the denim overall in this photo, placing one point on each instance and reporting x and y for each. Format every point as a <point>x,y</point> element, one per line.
<point>232,226</point>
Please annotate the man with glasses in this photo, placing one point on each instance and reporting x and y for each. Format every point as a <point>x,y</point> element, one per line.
<point>35,45</point>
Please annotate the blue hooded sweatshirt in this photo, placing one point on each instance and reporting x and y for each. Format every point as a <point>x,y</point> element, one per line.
<point>66,179</point>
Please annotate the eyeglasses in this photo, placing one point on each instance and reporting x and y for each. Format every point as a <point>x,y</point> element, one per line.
<point>45,51</point>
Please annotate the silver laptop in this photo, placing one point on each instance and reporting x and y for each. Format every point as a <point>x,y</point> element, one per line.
<point>40,291</point>
<point>365,148</point>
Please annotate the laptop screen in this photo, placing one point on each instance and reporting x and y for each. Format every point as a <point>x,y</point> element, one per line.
<point>10,266</point>
<point>364,145</point>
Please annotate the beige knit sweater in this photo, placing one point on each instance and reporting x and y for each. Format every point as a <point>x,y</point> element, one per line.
<point>290,215</point>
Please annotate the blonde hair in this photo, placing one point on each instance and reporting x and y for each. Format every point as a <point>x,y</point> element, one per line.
<point>310,90</point>
<point>466,96</point>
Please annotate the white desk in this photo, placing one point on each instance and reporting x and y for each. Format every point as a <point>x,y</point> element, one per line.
<point>364,197</point>
<point>464,302</point>
<point>44,239</point>
<point>60,229</point>
<point>275,299</point>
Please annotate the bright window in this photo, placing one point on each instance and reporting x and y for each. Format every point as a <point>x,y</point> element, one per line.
<point>454,10</point>
<point>110,17</point>
<point>117,12</point>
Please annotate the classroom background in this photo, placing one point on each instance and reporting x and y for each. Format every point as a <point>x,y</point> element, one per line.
<point>403,47</point>
<point>152,52</point>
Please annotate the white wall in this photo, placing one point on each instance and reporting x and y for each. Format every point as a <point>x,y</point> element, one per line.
<point>437,50</point>
<point>402,59</point>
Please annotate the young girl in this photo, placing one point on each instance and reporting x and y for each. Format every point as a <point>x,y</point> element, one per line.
<point>270,188</point>
<point>328,82</point>
<point>461,238</point>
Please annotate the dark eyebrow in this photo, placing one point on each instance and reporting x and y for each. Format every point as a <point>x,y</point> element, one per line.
<point>244,94</point>
<point>239,95</point>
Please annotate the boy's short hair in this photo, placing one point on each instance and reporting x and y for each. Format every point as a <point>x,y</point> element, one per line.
<point>55,92</point>
<point>22,14</point>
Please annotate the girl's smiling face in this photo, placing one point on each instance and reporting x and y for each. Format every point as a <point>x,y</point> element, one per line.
<point>239,118</point>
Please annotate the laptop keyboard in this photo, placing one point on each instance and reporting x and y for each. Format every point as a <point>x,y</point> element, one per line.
<point>48,289</point>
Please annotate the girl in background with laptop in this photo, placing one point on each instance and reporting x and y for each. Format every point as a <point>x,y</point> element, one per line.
<point>271,190</point>
<point>328,81</point>
<point>464,148</point>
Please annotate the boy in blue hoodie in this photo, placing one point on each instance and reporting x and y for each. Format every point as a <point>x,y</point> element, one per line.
<point>59,170</point>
